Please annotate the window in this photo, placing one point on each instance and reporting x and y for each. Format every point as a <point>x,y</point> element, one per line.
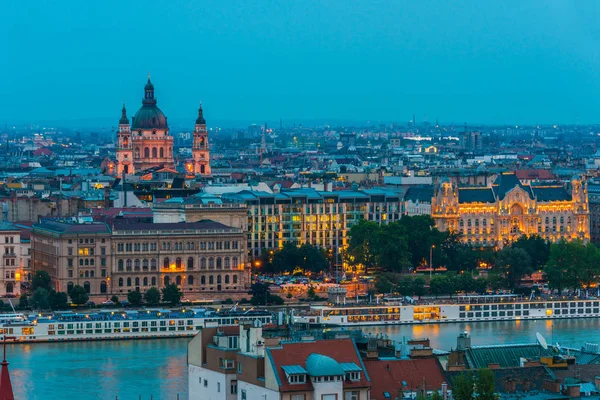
<point>233,387</point>
<point>297,378</point>
<point>70,273</point>
<point>353,376</point>
<point>205,383</point>
<point>329,397</point>
<point>70,262</point>
<point>244,395</point>
<point>226,363</point>
<point>218,387</point>
<point>351,395</point>
<point>298,397</point>
<point>239,368</point>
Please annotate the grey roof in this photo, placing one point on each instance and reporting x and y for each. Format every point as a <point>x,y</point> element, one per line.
<point>552,193</point>
<point>476,195</point>
<point>68,227</point>
<point>505,182</point>
<point>144,226</point>
<point>422,194</point>
<point>505,355</point>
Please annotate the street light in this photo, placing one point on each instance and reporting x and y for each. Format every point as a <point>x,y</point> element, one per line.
<point>431,260</point>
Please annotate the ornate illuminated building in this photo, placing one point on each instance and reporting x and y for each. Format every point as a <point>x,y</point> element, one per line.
<point>146,143</point>
<point>498,214</point>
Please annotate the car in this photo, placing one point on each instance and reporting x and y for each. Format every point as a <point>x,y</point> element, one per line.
<point>90,304</point>
<point>108,303</point>
<point>124,303</point>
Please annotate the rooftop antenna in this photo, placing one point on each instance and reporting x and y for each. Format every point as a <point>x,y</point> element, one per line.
<point>542,341</point>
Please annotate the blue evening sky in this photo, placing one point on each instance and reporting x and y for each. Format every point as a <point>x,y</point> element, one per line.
<point>480,61</point>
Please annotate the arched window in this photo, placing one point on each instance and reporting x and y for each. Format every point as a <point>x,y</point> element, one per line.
<point>147,152</point>
<point>137,281</point>
<point>554,220</point>
<point>129,263</point>
<point>562,220</point>
<point>103,287</point>
<point>219,263</point>
<point>145,264</point>
<point>128,281</point>
<point>469,222</point>
<point>178,262</point>
<point>484,222</point>
<point>87,262</point>
<point>211,280</point>
<point>167,281</point>
<point>227,262</point>
<point>234,262</point>
<point>120,263</point>
<point>86,274</point>
<point>190,279</point>
<point>461,223</point>
<point>9,287</point>
<point>202,169</point>
<point>166,263</point>
<point>91,273</point>
<point>218,278</point>
<point>178,280</point>
<point>235,279</point>
<point>569,220</point>
<point>145,281</point>
<point>137,264</point>
<point>154,152</point>
<point>203,263</point>
<point>547,220</point>
<point>153,281</point>
<point>203,280</point>
<point>121,282</point>
<point>190,263</point>
<point>86,286</point>
<point>226,278</point>
<point>162,152</point>
<point>153,264</point>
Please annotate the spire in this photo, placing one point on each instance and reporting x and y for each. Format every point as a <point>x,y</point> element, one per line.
<point>200,120</point>
<point>149,93</point>
<point>124,120</point>
<point>6,391</point>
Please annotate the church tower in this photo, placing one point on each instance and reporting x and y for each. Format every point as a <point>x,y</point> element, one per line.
<point>200,151</point>
<point>124,146</point>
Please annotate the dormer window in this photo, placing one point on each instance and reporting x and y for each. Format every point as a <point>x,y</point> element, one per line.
<point>297,379</point>
<point>353,376</point>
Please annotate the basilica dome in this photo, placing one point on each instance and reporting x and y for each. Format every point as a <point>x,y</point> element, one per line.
<point>149,116</point>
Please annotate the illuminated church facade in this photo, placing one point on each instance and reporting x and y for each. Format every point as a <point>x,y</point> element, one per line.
<point>494,216</point>
<point>146,143</point>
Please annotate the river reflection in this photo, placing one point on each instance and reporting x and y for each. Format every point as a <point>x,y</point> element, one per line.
<point>567,332</point>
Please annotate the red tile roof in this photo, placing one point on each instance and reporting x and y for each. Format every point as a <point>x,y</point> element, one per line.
<point>341,350</point>
<point>388,375</point>
<point>541,174</point>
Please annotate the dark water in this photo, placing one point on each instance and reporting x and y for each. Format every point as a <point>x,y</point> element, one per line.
<point>128,369</point>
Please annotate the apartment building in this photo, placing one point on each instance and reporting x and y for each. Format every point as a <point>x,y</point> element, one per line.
<point>12,271</point>
<point>239,363</point>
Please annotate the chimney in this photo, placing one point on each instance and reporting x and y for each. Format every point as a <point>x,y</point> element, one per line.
<point>444,390</point>
<point>464,341</point>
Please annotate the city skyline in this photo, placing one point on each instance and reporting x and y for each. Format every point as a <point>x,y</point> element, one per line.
<point>534,64</point>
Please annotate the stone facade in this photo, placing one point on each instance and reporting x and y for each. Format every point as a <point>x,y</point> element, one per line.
<point>498,214</point>
<point>12,270</point>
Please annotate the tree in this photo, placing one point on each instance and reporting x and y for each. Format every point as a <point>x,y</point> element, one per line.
<point>561,270</point>
<point>134,298</point>
<point>58,300</point>
<point>390,247</point>
<point>152,296</point>
<point>114,299</point>
<point>513,264</point>
<point>41,279</point>
<point>39,299</point>
<point>311,293</point>
<point>436,395</point>
<point>23,303</point>
<point>383,284</point>
<point>463,387</point>
<point>260,293</point>
<point>171,294</point>
<point>588,266</point>
<point>79,295</point>
<point>274,299</point>
<point>360,249</point>
<point>536,247</point>
<point>437,285</point>
<point>312,258</point>
<point>485,384</point>
<point>421,234</point>
<point>418,286</point>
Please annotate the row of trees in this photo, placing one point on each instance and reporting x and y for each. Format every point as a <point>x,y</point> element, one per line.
<point>169,294</point>
<point>291,258</point>
<point>446,284</point>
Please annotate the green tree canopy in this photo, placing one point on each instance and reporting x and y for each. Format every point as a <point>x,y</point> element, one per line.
<point>79,295</point>
<point>536,247</point>
<point>463,387</point>
<point>41,279</point>
<point>39,299</point>
<point>171,294</point>
<point>58,300</point>
<point>134,297</point>
<point>260,293</point>
<point>152,296</point>
<point>513,264</point>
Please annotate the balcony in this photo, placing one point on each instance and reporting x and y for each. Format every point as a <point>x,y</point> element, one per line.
<point>8,255</point>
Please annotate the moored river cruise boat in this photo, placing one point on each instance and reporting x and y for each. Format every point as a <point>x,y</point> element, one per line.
<point>459,309</point>
<point>120,324</point>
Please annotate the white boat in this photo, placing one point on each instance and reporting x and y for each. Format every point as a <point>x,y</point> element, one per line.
<point>117,325</point>
<point>460,309</point>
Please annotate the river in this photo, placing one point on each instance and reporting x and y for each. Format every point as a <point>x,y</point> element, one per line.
<point>157,367</point>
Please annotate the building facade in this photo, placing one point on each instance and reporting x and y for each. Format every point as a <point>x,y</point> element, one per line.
<point>320,218</point>
<point>594,202</point>
<point>12,270</point>
<point>502,212</point>
<point>202,258</point>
